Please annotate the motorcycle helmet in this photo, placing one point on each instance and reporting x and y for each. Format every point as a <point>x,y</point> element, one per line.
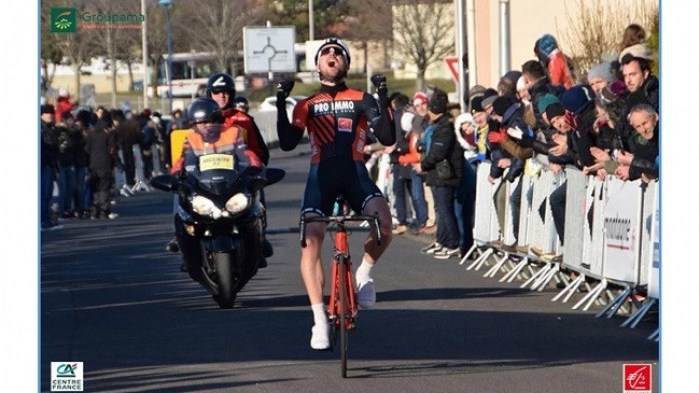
<point>334,41</point>
<point>206,110</point>
<point>220,82</point>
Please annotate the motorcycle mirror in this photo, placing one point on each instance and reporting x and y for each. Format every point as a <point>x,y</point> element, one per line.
<point>164,182</point>
<point>273,175</point>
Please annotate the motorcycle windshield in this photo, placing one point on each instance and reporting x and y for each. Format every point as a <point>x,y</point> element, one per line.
<point>217,181</point>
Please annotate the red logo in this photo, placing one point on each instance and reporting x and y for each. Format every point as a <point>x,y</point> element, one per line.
<point>637,378</point>
<point>344,124</point>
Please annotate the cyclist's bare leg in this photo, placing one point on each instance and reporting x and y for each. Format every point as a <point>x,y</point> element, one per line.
<point>313,278</point>
<point>311,266</point>
<point>372,250</point>
<point>366,292</point>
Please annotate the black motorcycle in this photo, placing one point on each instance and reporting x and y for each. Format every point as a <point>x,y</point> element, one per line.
<point>220,222</point>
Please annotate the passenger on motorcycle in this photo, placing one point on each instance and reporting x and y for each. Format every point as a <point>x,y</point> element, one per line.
<point>337,119</point>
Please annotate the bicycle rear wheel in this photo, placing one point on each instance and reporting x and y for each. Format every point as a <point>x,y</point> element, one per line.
<point>343,315</point>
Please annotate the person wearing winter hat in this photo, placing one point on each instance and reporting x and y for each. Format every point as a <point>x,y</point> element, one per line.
<point>507,86</point>
<point>544,102</point>
<point>444,152</point>
<point>577,99</point>
<point>548,52</point>
<point>600,76</point>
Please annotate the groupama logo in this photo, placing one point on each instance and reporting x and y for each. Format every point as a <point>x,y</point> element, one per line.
<point>64,20</point>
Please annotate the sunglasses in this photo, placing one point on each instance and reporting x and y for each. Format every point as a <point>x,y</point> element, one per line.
<point>334,50</point>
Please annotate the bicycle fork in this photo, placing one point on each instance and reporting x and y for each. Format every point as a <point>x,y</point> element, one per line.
<point>342,281</point>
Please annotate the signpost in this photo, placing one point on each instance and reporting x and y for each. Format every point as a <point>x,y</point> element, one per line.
<point>269,49</point>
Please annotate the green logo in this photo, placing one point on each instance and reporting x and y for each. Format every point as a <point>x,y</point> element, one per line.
<point>64,20</point>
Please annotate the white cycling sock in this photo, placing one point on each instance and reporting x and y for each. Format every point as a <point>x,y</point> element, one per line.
<point>364,272</point>
<point>319,317</point>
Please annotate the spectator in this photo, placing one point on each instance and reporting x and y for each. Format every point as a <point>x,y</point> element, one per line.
<point>66,132</point>
<point>444,152</point>
<point>84,121</point>
<point>539,84</point>
<point>412,182</point>
<point>599,77</point>
<point>549,54</point>
<point>635,67</point>
<point>101,146</point>
<point>420,123</point>
<point>465,203</point>
<point>63,103</point>
<point>49,164</point>
<point>128,134</point>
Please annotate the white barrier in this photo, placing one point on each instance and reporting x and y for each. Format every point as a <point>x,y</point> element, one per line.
<point>610,236</point>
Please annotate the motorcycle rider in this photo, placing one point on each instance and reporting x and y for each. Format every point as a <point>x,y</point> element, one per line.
<point>210,135</point>
<point>337,118</point>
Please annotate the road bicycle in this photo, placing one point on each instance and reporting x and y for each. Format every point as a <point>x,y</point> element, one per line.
<point>342,308</point>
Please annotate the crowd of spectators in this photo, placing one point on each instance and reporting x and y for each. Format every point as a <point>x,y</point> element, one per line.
<point>604,121</point>
<point>84,150</point>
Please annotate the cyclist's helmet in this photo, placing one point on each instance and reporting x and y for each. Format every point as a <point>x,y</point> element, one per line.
<point>334,41</point>
<point>205,109</point>
<point>220,82</point>
<point>241,102</point>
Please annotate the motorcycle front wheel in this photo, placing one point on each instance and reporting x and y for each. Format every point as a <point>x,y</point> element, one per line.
<point>226,293</point>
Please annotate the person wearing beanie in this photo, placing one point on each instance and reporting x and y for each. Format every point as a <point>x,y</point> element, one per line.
<point>577,99</point>
<point>544,102</point>
<point>554,110</point>
<point>549,54</point>
<point>502,104</point>
<point>600,76</point>
<point>442,164</point>
<point>438,103</point>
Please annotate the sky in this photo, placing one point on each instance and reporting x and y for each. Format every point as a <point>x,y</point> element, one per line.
<point>19,270</point>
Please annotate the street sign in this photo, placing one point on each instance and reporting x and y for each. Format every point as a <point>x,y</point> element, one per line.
<point>452,63</point>
<point>269,49</point>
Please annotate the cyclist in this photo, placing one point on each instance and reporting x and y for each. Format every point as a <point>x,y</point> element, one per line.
<point>337,118</point>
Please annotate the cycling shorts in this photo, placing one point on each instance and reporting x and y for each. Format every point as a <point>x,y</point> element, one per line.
<point>330,178</point>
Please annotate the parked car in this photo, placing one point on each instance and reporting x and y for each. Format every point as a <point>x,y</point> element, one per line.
<point>270,104</point>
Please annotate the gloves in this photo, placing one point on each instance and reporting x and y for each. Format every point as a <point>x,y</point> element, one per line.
<point>379,81</point>
<point>496,137</point>
<point>515,132</point>
<point>283,90</point>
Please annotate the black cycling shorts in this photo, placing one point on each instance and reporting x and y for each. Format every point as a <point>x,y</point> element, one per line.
<point>330,178</point>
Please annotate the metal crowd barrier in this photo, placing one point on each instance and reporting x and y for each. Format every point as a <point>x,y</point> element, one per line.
<point>611,238</point>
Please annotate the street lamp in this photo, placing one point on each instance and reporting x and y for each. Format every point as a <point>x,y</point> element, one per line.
<point>168,5</point>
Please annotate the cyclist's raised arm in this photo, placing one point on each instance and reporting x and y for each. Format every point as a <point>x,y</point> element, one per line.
<point>289,134</point>
<point>379,114</point>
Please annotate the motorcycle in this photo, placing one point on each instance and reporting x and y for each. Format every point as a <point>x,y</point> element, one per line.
<point>220,222</point>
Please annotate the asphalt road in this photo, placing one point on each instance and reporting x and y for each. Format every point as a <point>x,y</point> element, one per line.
<point>111,297</point>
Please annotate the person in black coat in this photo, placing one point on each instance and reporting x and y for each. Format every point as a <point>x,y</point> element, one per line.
<point>443,163</point>
<point>101,146</point>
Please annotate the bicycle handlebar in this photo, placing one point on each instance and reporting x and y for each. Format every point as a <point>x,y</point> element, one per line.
<point>340,220</point>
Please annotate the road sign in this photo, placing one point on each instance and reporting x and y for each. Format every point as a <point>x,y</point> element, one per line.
<point>269,49</point>
<point>452,63</point>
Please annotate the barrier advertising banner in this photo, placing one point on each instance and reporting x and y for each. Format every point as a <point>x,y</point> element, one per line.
<point>654,257</point>
<point>622,237</point>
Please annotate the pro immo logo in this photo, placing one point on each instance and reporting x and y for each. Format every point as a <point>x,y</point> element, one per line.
<point>64,20</point>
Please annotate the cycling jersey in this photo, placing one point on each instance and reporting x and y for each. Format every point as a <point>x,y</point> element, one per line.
<point>337,119</point>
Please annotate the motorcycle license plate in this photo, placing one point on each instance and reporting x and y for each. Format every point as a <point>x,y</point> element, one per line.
<point>216,161</point>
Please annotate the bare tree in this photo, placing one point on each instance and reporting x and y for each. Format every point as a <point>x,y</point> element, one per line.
<point>217,26</point>
<point>594,32</point>
<point>423,33</point>
<point>370,21</point>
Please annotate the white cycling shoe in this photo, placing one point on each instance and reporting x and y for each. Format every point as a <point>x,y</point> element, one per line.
<point>366,294</point>
<point>320,337</point>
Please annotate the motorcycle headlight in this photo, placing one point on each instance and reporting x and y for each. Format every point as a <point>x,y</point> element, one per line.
<point>237,203</point>
<point>203,206</point>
